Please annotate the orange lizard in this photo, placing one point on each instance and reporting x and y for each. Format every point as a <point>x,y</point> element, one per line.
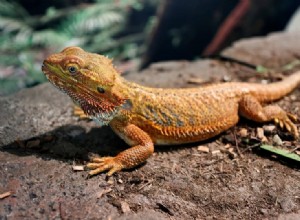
<point>144,116</point>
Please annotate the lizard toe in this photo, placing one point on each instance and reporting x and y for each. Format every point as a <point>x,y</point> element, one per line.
<point>292,117</point>
<point>101,164</point>
<point>286,121</point>
<point>292,128</point>
<point>100,159</point>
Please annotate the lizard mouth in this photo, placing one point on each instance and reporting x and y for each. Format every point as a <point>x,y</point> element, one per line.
<point>55,79</point>
<point>49,72</point>
<point>44,67</point>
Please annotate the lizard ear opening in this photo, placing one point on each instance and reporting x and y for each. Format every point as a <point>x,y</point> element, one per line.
<point>100,90</point>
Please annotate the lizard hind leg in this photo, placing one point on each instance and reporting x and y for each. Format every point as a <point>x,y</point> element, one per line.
<point>249,107</point>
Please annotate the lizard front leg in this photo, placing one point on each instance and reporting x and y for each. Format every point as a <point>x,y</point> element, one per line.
<point>142,148</point>
<point>77,111</point>
<point>250,108</point>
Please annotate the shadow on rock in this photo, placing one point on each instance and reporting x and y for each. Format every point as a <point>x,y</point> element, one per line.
<point>69,142</point>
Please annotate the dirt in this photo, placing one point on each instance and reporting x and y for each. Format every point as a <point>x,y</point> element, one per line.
<point>41,140</point>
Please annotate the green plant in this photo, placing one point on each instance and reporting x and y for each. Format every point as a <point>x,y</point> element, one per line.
<point>101,26</point>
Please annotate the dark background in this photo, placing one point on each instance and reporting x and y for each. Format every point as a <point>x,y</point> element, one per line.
<point>135,33</point>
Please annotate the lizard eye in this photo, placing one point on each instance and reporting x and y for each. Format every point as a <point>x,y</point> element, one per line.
<point>100,89</point>
<point>72,70</point>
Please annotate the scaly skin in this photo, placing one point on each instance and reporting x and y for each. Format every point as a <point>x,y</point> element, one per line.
<point>145,116</point>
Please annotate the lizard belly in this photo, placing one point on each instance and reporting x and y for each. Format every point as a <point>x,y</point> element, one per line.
<point>191,134</point>
<point>182,119</point>
<point>166,135</point>
<point>187,120</point>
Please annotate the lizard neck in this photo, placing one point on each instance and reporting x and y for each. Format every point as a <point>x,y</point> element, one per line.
<point>123,90</point>
<point>129,89</point>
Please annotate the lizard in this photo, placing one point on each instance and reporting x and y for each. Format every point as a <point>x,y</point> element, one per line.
<point>144,117</point>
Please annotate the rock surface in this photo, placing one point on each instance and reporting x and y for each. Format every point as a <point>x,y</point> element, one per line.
<point>40,140</point>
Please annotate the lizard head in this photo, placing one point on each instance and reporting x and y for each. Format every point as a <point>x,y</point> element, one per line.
<point>89,79</point>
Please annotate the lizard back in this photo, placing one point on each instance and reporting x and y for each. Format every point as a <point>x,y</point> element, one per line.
<point>193,114</point>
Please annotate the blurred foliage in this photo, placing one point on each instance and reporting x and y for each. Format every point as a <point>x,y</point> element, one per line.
<point>102,26</point>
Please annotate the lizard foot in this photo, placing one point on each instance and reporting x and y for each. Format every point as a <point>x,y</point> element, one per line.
<point>286,120</point>
<point>77,111</point>
<point>101,164</point>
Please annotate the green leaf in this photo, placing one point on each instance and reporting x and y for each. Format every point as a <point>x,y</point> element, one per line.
<point>261,69</point>
<point>291,65</point>
<point>51,11</point>
<point>281,152</point>
<point>12,9</point>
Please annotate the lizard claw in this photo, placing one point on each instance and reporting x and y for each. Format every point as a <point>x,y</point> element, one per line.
<point>101,164</point>
<point>286,121</point>
<point>292,117</point>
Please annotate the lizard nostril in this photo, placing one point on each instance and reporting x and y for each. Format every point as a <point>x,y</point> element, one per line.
<point>44,66</point>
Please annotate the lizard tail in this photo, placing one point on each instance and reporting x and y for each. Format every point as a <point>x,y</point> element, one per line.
<point>276,90</point>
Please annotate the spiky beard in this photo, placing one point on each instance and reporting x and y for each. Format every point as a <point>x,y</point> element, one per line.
<point>97,114</point>
<point>101,110</point>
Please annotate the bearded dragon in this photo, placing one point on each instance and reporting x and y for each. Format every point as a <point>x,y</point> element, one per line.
<point>144,117</point>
